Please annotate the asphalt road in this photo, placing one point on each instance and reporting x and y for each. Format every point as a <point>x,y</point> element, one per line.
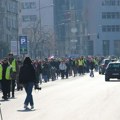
<point>76,98</point>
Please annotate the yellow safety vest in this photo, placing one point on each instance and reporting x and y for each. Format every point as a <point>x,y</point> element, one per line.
<point>80,62</point>
<point>96,62</point>
<point>7,74</point>
<point>83,61</point>
<point>14,65</point>
<point>1,70</point>
<point>76,62</point>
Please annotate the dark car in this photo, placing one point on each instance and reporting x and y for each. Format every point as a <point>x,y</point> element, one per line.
<point>112,71</point>
<point>103,65</point>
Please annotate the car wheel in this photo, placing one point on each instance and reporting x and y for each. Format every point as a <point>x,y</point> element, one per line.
<point>107,78</point>
<point>99,71</point>
<point>102,73</point>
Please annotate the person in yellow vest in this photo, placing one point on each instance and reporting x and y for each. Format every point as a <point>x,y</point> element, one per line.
<point>13,63</point>
<point>80,65</point>
<point>5,78</point>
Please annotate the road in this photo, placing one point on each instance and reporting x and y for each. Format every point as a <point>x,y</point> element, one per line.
<point>76,98</point>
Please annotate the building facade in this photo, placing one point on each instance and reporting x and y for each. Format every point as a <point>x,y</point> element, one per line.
<point>37,23</point>
<point>86,27</point>
<point>103,26</point>
<point>8,25</point>
<point>68,26</point>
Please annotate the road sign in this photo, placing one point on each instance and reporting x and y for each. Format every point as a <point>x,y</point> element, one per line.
<point>23,44</point>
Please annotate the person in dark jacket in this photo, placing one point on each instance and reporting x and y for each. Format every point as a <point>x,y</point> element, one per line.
<point>38,70</point>
<point>92,66</point>
<point>27,77</point>
<point>46,71</point>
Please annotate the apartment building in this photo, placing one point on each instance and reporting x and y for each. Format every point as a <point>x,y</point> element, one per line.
<point>103,18</point>
<point>8,25</point>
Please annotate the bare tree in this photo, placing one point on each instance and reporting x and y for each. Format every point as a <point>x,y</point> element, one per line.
<point>42,41</point>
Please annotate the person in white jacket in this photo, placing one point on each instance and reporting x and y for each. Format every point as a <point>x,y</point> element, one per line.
<point>62,68</point>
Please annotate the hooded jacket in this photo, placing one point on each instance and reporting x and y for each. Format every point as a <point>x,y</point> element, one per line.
<point>27,72</point>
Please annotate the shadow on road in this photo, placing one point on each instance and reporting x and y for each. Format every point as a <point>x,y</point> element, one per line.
<point>26,110</point>
<point>4,100</point>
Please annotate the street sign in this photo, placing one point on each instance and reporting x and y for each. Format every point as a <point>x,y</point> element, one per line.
<point>23,44</point>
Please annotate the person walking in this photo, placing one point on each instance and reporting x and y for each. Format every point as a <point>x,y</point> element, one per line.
<point>92,66</point>
<point>68,67</point>
<point>27,77</point>
<point>62,68</point>
<point>37,68</point>
<point>13,63</point>
<point>46,71</point>
<point>5,73</point>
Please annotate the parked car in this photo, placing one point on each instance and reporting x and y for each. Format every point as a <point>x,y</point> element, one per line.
<point>112,71</point>
<point>103,65</point>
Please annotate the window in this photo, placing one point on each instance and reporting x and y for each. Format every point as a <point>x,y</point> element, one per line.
<point>28,5</point>
<point>11,22</point>
<point>118,2</point>
<point>106,47</point>
<point>12,7</point>
<point>108,28</point>
<point>110,15</point>
<point>111,28</point>
<point>111,3</point>
<point>29,18</point>
<point>104,15</point>
<point>117,47</point>
<point>104,28</point>
<point>118,15</point>
<point>117,28</point>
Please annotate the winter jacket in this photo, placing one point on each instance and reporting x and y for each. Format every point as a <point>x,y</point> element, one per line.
<point>27,72</point>
<point>62,66</point>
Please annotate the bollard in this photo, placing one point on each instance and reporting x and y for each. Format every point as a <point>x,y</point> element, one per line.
<point>1,112</point>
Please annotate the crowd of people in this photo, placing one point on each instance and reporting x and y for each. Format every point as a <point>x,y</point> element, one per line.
<point>15,73</point>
